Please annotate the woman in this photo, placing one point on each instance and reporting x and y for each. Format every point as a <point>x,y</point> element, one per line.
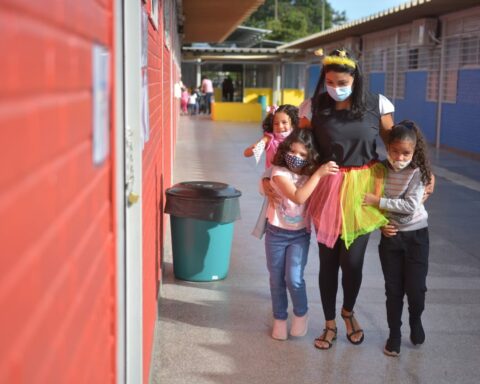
<point>346,121</point>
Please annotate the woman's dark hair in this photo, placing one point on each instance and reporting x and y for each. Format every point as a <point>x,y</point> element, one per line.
<point>305,137</point>
<point>408,130</point>
<point>323,103</point>
<point>289,109</point>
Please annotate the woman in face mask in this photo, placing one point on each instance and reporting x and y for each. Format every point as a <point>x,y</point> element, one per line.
<point>346,121</point>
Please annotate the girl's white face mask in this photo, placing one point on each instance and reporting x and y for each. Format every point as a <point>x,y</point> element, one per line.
<point>398,165</point>
<point>282,135</point>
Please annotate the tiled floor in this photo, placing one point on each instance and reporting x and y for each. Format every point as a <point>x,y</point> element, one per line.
<point>218,332</point>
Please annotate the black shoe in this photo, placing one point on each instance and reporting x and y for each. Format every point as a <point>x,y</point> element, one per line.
<point>392,347</point>
<point>417,334</point>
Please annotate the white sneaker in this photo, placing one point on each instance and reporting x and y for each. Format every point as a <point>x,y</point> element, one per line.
<point>299,325</point>
<point>279,331</point>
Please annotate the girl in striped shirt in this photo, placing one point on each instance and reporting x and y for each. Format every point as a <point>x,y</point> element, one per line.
<point>404,255</point>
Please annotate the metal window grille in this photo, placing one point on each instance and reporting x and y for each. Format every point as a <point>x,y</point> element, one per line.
<point>470,51</point>
<point>433,74</point>
<point>258,76</point>
<point>294,75</point>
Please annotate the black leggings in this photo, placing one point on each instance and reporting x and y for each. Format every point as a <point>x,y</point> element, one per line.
<point>351,262</point>
<point>404,259</point>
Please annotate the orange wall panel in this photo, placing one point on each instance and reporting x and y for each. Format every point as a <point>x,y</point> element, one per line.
<point>57,281</point>
<point>156,178</point>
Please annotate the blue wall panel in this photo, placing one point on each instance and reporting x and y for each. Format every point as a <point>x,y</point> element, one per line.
<point>312,78</point>
<point>376,83</point>
<point>461,121</point>
<point>415,107</point>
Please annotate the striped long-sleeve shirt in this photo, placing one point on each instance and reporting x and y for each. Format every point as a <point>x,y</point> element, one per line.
<point>403,198</point>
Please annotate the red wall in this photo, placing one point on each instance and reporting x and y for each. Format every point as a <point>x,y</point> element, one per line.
<point>156,178</point>
<point>57,276</point>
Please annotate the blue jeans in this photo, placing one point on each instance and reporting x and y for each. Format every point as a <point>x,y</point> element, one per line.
<point>287,254</point>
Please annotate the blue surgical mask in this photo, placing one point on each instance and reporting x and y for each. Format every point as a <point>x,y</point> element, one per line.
<point>295,162</point>
<point>339,93</point>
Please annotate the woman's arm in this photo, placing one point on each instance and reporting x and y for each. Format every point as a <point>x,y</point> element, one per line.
<point>386,124</point>
<point>305,114</point>
<point>268,191</point>
<point>304,123</point>
<point>301,194</point>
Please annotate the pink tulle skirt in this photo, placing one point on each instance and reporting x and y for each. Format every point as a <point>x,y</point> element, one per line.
<point>336,205</point>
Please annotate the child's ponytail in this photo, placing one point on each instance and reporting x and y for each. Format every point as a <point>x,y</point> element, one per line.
<point>420,156</point>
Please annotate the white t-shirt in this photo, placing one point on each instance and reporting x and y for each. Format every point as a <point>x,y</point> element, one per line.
<point>286,214</point>
<point>385,106</point>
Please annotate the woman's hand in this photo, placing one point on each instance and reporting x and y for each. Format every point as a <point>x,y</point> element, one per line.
<point>330,168</point>
<point>389,230</point>
<point>272,196</point>
<point>304,123</point>
<point>371,199</point>
<point>429,188</point>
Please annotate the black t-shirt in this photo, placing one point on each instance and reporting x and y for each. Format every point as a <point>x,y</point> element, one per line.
<point>348,141</point>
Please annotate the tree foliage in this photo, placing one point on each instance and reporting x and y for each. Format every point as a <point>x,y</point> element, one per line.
<point>296,18</point>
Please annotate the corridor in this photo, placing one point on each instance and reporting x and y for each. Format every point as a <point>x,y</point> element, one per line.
<point>219,332</point>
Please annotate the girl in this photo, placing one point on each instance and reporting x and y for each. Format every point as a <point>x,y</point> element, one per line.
<point>192,102</point>
<point>184,101</point>
<point>404,256</point>
<point>287,235</point>
<point>276,127</point>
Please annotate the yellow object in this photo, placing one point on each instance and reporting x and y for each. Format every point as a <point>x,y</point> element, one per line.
<point>292,96</point>
<point>133,197</point>
<point>237,112</point>
<point>217,94</point>
<point>250,95</point>
<point>359,219</point>
<point>330,60</point>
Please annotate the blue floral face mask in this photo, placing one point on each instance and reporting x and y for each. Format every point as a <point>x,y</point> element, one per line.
<point>295,162</point>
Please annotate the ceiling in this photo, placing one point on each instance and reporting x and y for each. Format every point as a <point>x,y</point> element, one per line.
<point>212,21</point>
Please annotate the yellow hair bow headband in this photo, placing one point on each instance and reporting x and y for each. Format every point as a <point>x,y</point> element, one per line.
<point>341,59</point>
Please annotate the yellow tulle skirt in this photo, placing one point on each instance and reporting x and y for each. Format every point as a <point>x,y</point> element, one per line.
<point>336,206</point>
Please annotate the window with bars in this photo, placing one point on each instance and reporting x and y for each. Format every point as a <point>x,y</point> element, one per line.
<point>397,63</point>
<point>433,74</point>
<point>294,75</point>
<point>470,51</point>
<point>258,76</point>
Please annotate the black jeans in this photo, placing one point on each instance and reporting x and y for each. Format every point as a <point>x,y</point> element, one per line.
<point>351,262</point>
<point>404,259</point>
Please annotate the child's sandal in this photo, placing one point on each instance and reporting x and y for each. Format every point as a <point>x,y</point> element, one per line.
<point>350,318</point>
<point>323,339</point>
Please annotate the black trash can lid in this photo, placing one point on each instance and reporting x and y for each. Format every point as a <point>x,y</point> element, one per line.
<point>205,189</point>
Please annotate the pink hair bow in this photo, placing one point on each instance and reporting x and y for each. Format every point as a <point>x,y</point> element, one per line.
<point>272,108</point>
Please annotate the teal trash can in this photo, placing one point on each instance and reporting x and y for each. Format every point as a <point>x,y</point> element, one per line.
<point>202,216</point>
<point>262,99</point>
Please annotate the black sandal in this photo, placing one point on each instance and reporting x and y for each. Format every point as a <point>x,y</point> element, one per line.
<point>354,331</point>
<point>323,338</point>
